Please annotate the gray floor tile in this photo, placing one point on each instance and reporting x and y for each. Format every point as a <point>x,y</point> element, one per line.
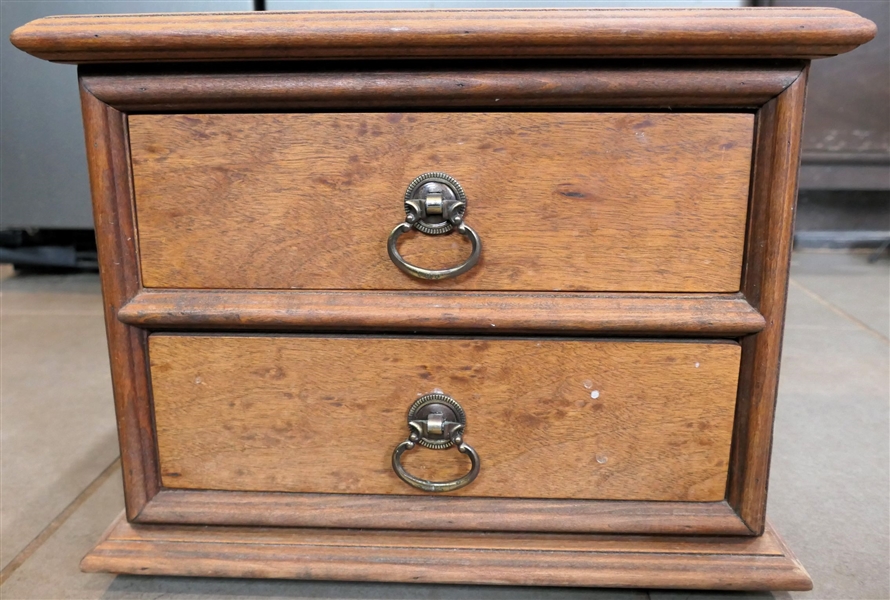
<point>850,282</point>
<point>77,294</point>
<point>831,460</point>
<point>829,491</point>
<point>53,571</point>
<point>806,312</point>
<point>58,428</point>
<point>61,554</point>
<point>833,360</point>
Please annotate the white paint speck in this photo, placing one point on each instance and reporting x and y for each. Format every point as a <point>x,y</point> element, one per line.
<point>437,391</point>
<point>602,459</point>
<point>697,365</point>
<point>493,325</point>
<point>199,381</point>
<point>587,384</point>
<point>595,394</point>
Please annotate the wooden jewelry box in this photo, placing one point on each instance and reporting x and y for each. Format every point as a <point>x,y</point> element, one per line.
<point>452,296</point>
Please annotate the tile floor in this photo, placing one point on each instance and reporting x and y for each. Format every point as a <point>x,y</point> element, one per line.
<point>60,483</point>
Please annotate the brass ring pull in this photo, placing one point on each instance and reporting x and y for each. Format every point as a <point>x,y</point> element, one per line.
<point>436,421</point>
<point>435,486</point>
<point>435,204</point>
<point>422,273</point>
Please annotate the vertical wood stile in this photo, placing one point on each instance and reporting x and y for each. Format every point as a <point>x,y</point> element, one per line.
<point>105,131</point>
<point>765,285</point>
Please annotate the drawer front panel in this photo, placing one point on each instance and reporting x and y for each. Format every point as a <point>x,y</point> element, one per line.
<point>561,201</point>
<point>619,420</point>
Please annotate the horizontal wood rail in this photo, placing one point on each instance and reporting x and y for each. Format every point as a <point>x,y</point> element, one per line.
<point>732,563</point>
<point>683,314</point>
<point>210,507</point>
<point>750,33</point>
<point>378,85</point>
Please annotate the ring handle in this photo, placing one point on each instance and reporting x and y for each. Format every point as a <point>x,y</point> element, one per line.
<point>436,421</point>
<point>435,486</point>
<point>432,274</point>
<point>435,204</point>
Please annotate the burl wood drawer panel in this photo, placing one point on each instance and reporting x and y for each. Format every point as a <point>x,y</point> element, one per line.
<point>561,201</point>
<point>633,420</point>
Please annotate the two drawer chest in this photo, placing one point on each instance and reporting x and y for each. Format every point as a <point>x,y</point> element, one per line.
<point>447,296</point>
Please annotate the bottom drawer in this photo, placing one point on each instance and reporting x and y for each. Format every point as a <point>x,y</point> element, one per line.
<point>579,419</point>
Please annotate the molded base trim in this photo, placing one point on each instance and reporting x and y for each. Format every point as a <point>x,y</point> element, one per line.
<point>730,563</point>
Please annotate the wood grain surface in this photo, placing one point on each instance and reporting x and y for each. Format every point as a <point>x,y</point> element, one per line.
<point>562,201</point>
<point>105,132</point>
<point>464,513</point>
<point>367,85</point>
<point>731,563</point>
<point>655,33</point>
<point>765,283</point>
<point>724,315</point>
<point>550,419</point>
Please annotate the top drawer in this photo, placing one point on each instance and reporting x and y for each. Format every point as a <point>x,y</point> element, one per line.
<point>621,202</point>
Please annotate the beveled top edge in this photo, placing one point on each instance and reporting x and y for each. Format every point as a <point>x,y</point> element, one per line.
<point>476,33</point>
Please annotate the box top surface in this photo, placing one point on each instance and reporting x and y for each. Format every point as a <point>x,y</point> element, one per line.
<point>446,34</point>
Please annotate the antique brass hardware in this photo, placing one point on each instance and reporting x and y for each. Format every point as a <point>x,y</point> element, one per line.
<point>435,204</point>
<point>436,421</point>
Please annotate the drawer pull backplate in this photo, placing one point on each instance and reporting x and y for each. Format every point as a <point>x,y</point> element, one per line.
<point>436,421</point>
<point>435,204</point>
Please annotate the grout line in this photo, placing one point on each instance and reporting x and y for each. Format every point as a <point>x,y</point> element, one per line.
<point>837,310</point>
<point>60,519</point>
